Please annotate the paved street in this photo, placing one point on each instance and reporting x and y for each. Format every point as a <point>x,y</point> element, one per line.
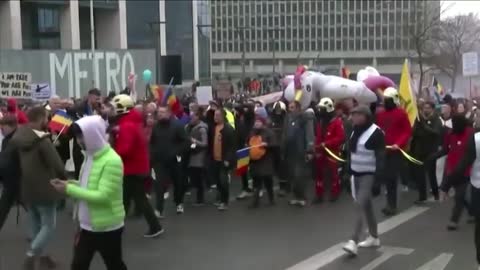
<point>274,238</point>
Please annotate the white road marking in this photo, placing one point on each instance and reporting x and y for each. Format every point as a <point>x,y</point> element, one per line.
<point>329,255</point>
<point>439,263</point>
<point>388,252</point>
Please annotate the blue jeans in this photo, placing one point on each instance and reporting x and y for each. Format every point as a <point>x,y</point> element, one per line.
<point>42,221</point>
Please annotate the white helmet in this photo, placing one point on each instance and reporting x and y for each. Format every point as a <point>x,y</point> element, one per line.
<point>392,93</point>
<point>282,105</point>
<point>326,103</point>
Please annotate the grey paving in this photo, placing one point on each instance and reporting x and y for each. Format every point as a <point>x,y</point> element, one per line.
<point>269,238</point>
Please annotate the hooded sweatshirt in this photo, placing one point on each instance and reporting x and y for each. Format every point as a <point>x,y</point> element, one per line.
<point>100,187</point>
<point>131,145</point>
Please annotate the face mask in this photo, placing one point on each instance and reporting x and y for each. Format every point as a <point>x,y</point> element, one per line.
<point>389,104</point>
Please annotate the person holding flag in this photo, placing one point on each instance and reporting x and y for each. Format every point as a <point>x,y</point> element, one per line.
<point>261,143</point>
<point>396,125</point>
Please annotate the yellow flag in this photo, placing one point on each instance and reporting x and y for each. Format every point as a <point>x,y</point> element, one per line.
<point>407,99</point>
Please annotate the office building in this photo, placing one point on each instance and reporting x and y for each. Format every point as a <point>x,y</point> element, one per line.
<point>276,36</point>
<point>169,27</point>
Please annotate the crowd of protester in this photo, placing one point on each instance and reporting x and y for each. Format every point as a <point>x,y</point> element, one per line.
<point>139,151</point>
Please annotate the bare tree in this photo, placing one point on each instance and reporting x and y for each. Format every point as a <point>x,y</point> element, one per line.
<point>424,20</point>
<point>454,37</point>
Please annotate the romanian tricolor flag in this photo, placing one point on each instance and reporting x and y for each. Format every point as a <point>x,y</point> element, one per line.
<point>157,92</point>
<point>243,160</point>
<point>60,122</point>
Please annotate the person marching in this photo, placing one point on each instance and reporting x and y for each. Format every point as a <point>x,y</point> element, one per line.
<point>297,148</point>
<point>455,147</point>
<point>197,130</point>
<point>261,142</point>
<point>367,166</point>
<point>99,190</point>
<point>456,178</point>
<point>277,121</point>
<point>329,135</point>
<point>130,144</point>
<point>394,122</point>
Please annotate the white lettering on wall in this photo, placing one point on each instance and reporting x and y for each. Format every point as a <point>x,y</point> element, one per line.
<point>97,57</point>
<point>112,71</point>
<point>61,68</point>
<point>74,71</point>
<point>79,74</point>
<point>127,59</point>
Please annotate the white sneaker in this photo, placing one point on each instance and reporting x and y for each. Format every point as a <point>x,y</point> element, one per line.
<point>351,248</point>
<point>405,189</point>
<point>243,195</point>
<point>158,214</point>
<point>370,242</point>
<point>222,207</point>
<point>293,202</point>
<point>180,209</point>
<point>302,203</point>
<point>260,194</point>
<point>166,195</point>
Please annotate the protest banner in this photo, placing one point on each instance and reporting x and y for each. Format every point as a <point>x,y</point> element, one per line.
<point>204,95</point>
<point>15,84</point>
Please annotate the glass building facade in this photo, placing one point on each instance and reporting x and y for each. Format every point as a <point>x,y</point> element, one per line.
<point>329,28</point>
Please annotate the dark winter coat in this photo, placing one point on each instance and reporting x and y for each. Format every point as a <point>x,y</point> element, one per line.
<point>39,163</point>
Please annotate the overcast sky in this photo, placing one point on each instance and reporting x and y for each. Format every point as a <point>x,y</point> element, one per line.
<point>461,7</point>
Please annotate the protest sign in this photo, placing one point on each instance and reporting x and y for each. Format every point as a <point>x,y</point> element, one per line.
<point>15,84</point>
<point>204,95</point>
<point>41,91</point>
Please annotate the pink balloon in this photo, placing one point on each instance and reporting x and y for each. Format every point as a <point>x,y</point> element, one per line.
<point>378,82</point>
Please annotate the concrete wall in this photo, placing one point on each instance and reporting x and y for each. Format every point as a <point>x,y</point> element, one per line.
<point>69,72</point>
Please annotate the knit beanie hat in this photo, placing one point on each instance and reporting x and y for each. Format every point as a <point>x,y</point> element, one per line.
<point>261,114</point>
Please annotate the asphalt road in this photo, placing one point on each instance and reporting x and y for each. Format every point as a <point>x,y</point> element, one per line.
<point>273,238</point>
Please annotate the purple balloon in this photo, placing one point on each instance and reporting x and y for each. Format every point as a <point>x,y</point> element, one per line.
<point>378,82</point>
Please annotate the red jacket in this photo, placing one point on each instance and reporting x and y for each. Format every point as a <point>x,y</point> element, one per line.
<point>333,138</point>
<point>396,126</point>
<point>456,146</point>
<point>12,109</point>
<point>131,145</point>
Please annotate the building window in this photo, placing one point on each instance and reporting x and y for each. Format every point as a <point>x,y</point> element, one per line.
<point>351,45</point>
<point>378,45</point>
<point>325,45</point>
<point>364,44</point>
<point>313,46</point>
<point>46,28</point>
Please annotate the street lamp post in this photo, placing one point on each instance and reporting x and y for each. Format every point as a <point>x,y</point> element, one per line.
<point>241,33</point>
<point>271,30</point>
<point>158,51</point>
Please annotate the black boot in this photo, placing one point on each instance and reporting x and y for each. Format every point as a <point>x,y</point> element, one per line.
<point>256,199</point>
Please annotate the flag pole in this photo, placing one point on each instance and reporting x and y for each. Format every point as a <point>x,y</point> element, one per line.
<point>60,133</point>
